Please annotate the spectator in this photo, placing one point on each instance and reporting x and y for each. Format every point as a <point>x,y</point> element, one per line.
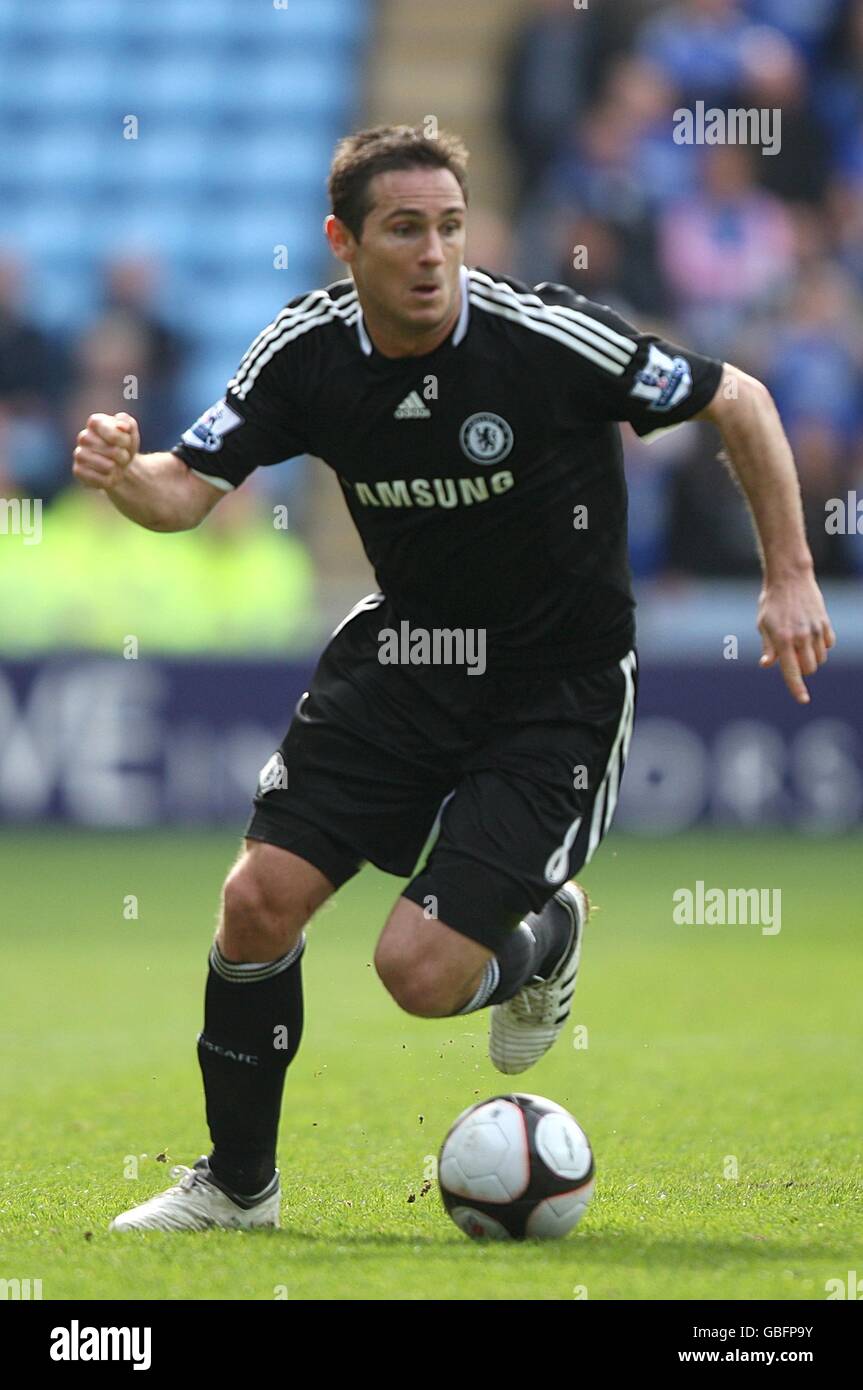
<point>130,289</point>
<point>717,237</point>
<point>618,168</point>
<point>709,528</point>
<point>111,359</point>
<point>33,383</point>
<point>647,102</point>
<point>839,95</point>
<point>650,473</point>
<point>127,359</point>
<point>807,23</point>
<point>727,250</point>
<point>845,206</point>
<point>545,86</point>
<point>700,46</point>
<point>815,371</point>
<point>820,452</point>
<point>592,256</point>
<point>798,171</point>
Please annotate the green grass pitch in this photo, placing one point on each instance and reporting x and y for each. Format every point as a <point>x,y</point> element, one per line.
<point>711,1050</point>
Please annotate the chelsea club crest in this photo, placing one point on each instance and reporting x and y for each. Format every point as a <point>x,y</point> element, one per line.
<point>485,437</point>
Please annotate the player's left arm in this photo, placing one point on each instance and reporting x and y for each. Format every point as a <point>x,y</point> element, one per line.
<point>792,619</point>
<point>610,370</point>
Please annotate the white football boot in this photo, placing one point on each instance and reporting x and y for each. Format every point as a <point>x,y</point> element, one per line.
<point>524,1027</point>
<point>196,1204</point>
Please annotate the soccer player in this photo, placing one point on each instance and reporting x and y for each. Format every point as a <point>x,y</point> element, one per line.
<point>489,686</point>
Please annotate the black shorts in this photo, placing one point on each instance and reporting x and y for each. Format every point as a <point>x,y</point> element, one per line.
<point>522,769</point>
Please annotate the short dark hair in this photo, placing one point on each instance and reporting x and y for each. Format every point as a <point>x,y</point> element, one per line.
<point>360,156</point>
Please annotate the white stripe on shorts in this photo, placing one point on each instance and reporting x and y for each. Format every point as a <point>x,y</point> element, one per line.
<point>365,605</point>
<point>557,866</point>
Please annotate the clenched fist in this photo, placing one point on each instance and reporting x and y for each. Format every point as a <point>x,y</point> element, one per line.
<point>105,449</point>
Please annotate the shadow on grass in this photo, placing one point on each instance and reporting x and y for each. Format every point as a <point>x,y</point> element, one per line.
<point>602,1249</point>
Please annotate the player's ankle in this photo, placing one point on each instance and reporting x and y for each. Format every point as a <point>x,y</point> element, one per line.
<point>247,1184</point>
<point>558,924</point>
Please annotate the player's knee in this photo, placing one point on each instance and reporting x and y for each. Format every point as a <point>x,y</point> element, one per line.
<point>257,923</point>
<point>418,986</point>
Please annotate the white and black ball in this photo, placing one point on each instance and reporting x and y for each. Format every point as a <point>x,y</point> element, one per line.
<point>515,1167</point>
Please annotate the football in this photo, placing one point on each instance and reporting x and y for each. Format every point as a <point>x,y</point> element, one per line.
<point>515,1167</point>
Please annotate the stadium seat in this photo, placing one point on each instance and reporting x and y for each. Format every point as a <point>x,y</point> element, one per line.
<point>67,77</point>
<point>67,295</point>
<point>290,159</point>
<point>62,158</point>
<point>236,128</point>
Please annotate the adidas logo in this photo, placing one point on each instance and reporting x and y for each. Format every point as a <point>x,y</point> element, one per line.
<point>412,408</point>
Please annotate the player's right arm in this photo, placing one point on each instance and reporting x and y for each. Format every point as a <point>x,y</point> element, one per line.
<point>158,491</point>
<point>260,421</point>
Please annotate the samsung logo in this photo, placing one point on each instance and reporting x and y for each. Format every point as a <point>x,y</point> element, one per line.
<point>431,492</point>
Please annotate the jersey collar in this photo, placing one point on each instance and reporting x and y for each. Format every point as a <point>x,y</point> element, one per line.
<point>458,332</point>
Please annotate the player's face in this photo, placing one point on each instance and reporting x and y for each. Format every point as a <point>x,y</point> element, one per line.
<point>406,264</point>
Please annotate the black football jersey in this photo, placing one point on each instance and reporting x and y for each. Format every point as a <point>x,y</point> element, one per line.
<point>485,478</point>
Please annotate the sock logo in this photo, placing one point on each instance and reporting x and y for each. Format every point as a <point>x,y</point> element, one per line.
<point>227,1051</point>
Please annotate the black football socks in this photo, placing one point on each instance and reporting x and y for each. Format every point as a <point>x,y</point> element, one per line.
<point>253,1022</point>
<point>534,947</point>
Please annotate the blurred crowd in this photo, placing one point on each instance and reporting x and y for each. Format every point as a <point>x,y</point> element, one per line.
<point>750,256</point>
<point>244,581</point>
<point>123,358</point>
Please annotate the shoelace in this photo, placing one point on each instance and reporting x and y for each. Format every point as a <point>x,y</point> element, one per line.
<point>188,1179</point>
<point>535,1002</point>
